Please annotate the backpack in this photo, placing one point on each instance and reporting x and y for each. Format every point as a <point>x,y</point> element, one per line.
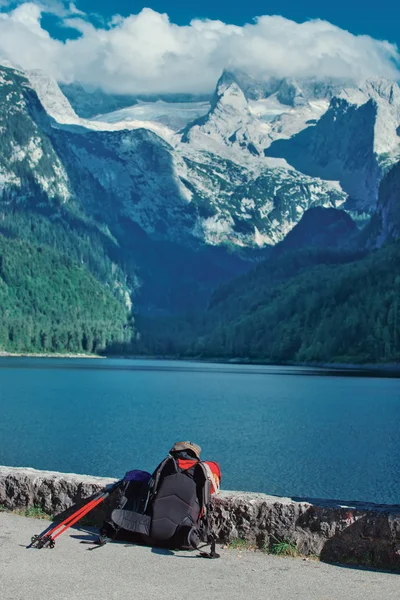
<point>170,508</point>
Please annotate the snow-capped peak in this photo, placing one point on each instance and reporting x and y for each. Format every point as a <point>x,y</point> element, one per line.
<point>230,96</point>
<point>385,95</point>
<point>225,82</point>
<point>378,89</point>
<point>51,97</point>
<point>229,125</point>
<point>298,92</point>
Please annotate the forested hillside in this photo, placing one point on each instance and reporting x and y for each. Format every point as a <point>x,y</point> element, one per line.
<point>48,303</point>
<point>325,313</point>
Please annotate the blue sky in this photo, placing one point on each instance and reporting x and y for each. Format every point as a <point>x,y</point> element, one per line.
<point>379,19</point>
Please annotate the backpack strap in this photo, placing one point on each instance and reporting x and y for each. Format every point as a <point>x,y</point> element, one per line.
<point>214,480</point>
<point>155,479</point>
<point>211,486</point>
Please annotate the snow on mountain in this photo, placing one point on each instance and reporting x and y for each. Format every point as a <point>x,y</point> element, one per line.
<point>253,208</point>
<point>288,90</point>
<point>216,187</point>
<point>128,174</point>
<point>52,98</point>
<point>285,121</point>
<point>286,104</point>
<point>229,123</point>
<point>159,116</point>
<point>386,96</point>
<point>240,171</point>
<point>248,115</point>
<point>174,115</point>
<point>353,142</point>
<point>27,159</point>
<point>58,107</point>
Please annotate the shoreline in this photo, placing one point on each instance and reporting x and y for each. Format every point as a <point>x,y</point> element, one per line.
<point>378,369</point>
<point>333,366</point>
<point>47,355</point>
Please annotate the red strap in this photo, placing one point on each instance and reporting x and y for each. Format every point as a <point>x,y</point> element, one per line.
<point>184,463</point>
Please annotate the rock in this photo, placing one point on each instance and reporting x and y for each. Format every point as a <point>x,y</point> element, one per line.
<point>55,493</point>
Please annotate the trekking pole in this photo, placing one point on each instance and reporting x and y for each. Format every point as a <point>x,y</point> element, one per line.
<point>79,513</point>
<point>47,538</point>
<point>50,537</point>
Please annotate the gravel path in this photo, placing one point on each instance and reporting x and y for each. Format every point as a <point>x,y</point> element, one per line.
<point>119,571</point>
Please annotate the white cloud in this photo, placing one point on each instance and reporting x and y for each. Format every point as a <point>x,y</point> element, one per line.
<point>148,53</point>
<point>73,10</point>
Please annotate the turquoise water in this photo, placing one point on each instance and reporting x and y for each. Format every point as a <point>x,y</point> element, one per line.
<point>279,430</point>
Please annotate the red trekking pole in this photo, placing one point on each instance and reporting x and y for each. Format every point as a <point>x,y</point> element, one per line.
<point>47,538</point>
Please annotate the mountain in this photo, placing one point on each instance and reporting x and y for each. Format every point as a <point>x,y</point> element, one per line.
<point>90,103</point>
<point>163,199</point>
<point>269,196</point>
<point>338,131</point>
<point>321,228</point>
<point>27,156</point>
<point>245,170</point>
<point>108,199</point>
<point>385,223</point>
<point>353,142</point>
<point>288,91</point>
<point>59,288</point>
<point>198,193</point>
<point>315,297</point>
<point>308,306</point>
<point>341,132</point>
<point>228,122</point>
<point>338,313</point>
<point>388,210</point>
<point>94,103</point>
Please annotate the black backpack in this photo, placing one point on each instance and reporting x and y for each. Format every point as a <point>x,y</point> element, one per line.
<point>169,509</point>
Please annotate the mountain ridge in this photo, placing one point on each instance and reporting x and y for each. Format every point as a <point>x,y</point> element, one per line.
<point>210,189</point>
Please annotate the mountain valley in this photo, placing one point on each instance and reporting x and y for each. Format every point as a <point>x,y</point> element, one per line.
<point>163,200</point>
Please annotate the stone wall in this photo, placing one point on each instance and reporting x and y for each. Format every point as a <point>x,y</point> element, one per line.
<point>355,533</point>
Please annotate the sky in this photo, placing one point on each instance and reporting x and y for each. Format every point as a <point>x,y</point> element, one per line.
<point>183,46</point>
<point>378,19</point>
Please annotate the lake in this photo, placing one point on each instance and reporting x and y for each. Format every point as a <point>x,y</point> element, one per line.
<point>281,430</point>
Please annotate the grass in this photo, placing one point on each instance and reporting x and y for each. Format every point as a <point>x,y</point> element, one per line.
<point>34,512</point>
<point>279,547</point>
<point>240,544</point>
<point>284,548</point>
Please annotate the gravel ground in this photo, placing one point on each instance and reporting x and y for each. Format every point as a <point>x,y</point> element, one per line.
<point>119,571</point>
